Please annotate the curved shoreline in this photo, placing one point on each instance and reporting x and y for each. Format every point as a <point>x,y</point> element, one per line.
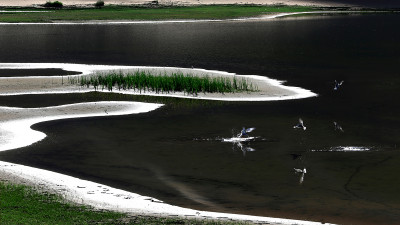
<point>16,123</point>
<point>269,89</point>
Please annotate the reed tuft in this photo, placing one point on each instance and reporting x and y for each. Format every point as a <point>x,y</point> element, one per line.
<point>177,82</point>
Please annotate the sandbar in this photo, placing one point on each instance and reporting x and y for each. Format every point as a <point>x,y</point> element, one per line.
<point>268,89</point>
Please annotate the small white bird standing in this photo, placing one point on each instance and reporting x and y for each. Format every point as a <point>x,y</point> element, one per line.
<point>300,125</point>
<point>337,85</point>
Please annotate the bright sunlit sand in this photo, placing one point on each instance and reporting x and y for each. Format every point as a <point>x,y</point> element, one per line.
<point>15,122</point>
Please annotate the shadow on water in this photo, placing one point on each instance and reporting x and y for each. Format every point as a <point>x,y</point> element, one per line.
<point>35,72</point>
<point>176,153</point>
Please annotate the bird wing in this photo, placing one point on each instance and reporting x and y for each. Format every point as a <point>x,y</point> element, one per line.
<point>248,130</point>
<point>341,82</point>
<point>301,121</point>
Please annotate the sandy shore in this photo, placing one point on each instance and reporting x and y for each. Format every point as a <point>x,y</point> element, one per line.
<point>321,3</point>
<point>15,126</point>
<point>105,197</point>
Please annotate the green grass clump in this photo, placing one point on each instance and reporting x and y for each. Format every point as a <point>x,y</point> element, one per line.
<point>176,82</point>
<point>23,205</point>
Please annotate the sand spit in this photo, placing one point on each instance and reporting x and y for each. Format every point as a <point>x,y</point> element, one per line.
<point>104,197</point>
<point>269,89</point>
<point>15,123</point>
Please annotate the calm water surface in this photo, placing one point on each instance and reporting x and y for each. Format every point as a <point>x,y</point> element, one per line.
<point>176,154</point>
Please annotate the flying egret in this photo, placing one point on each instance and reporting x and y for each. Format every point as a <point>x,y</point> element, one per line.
<point>300,125</point>
<point>300,170</point>
<point>337,85</point>
<point>245,132</point>
<point>338,127</point>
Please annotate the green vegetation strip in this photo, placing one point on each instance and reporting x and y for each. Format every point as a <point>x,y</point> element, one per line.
<point>21,204</point>
<point>147,13</point>
<point>176,82</point>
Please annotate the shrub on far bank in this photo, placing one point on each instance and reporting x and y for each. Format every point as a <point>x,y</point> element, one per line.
<point>55,4</point>
<point>99,4</point>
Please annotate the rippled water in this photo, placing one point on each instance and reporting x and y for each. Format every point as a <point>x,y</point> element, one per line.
<point>177,154</point>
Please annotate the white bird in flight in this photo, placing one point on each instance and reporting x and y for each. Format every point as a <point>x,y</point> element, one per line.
<point>337,85</point>
<point>245,131</point>
<point>338,127</point>
<point>300,170</point>
<point>300,125</point>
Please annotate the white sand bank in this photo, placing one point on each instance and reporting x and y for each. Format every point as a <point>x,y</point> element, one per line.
<point>269,89</point>
<point>15,123</point>
<point>105,197</point>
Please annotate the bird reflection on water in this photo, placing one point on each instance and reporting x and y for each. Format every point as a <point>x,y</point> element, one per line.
<point>243,146</point>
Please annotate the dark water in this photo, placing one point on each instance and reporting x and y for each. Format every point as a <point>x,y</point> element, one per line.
<point>35,72</point>
<point>392,4</point>
<point>175,153</point>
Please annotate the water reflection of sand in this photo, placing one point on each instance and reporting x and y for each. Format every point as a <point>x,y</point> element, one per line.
<point>15,128</point>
